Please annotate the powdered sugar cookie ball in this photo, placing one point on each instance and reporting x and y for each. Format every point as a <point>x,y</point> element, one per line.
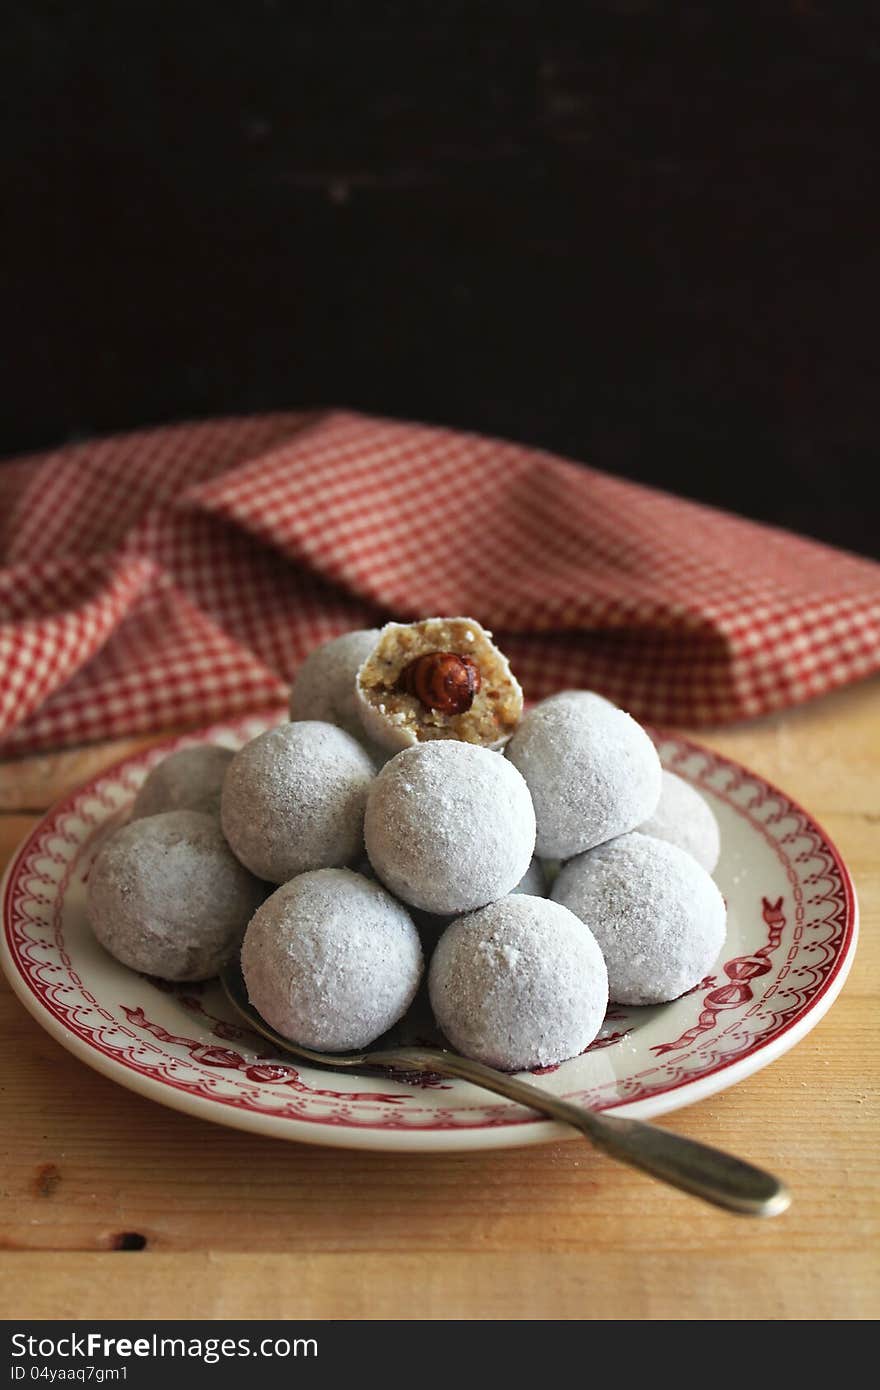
<point>449,826</point>
<point>442,678</point>
<point>293,799</point>
<point>324,685</point>
<point>657,915</point>
<point>592,771</point>
<point>331,961</point>
<point>189,780</point>
<point>685,818</point>
<point>519,984</point>
<point>593,693</point>
<point>167,896</point>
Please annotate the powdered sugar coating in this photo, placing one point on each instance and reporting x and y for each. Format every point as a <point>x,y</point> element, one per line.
<point>533,881</point>
<point>519,984</point>
<point>685,818</point>
<point>449,826</point>
<point>657,915</point>
<point>432,925</point>
<point>294,798</point>
<point>331,961</point>
<point>167,896</point>
<point>592,771</point>
<point>324,686</point>
<point>189,780</point>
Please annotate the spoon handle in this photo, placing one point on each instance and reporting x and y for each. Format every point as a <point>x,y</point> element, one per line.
<point>704,1172</point>
<point>695,1168</point>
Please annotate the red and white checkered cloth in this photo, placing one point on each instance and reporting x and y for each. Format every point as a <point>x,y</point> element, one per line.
<point>174,576</point>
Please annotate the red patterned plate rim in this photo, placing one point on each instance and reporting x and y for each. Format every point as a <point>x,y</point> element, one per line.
<point>493,1126</point>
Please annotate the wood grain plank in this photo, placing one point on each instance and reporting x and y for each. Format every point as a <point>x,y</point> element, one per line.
<point>593,1284</point>
<point>825,754</point>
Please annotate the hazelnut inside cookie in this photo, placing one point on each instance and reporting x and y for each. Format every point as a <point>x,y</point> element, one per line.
<point>438,678</point>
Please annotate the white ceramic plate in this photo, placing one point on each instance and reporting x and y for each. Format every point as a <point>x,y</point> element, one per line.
<point>791,937</point>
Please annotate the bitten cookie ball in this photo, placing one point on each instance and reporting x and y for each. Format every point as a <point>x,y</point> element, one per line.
<point>331,961</point>
<point>685,818</point>
<point>189,780</point>
<point>519,984</point>
<point>449,826</point>
<point>592,771</point>
<point>442,678</point>
<point>658,917</point>
<point>324,686</point>
<point>167,896</point>
<point>294,798</point>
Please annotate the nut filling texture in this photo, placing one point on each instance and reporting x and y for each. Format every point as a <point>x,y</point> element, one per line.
<point>442,678</point>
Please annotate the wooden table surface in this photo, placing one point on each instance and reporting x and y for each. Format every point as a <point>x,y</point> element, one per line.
<point>236,1225</point>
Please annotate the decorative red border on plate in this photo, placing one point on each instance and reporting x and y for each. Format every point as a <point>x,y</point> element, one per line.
<point>28,884</point>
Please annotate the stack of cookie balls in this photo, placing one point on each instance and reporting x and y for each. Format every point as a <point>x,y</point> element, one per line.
<point>409,809</point>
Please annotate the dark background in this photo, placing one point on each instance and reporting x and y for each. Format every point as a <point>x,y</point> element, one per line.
<point>641,235</point>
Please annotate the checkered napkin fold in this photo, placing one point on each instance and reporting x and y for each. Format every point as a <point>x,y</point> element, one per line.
<point>171,577</point>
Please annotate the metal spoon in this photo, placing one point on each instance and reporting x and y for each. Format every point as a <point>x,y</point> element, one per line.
<point>696,1168</point>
